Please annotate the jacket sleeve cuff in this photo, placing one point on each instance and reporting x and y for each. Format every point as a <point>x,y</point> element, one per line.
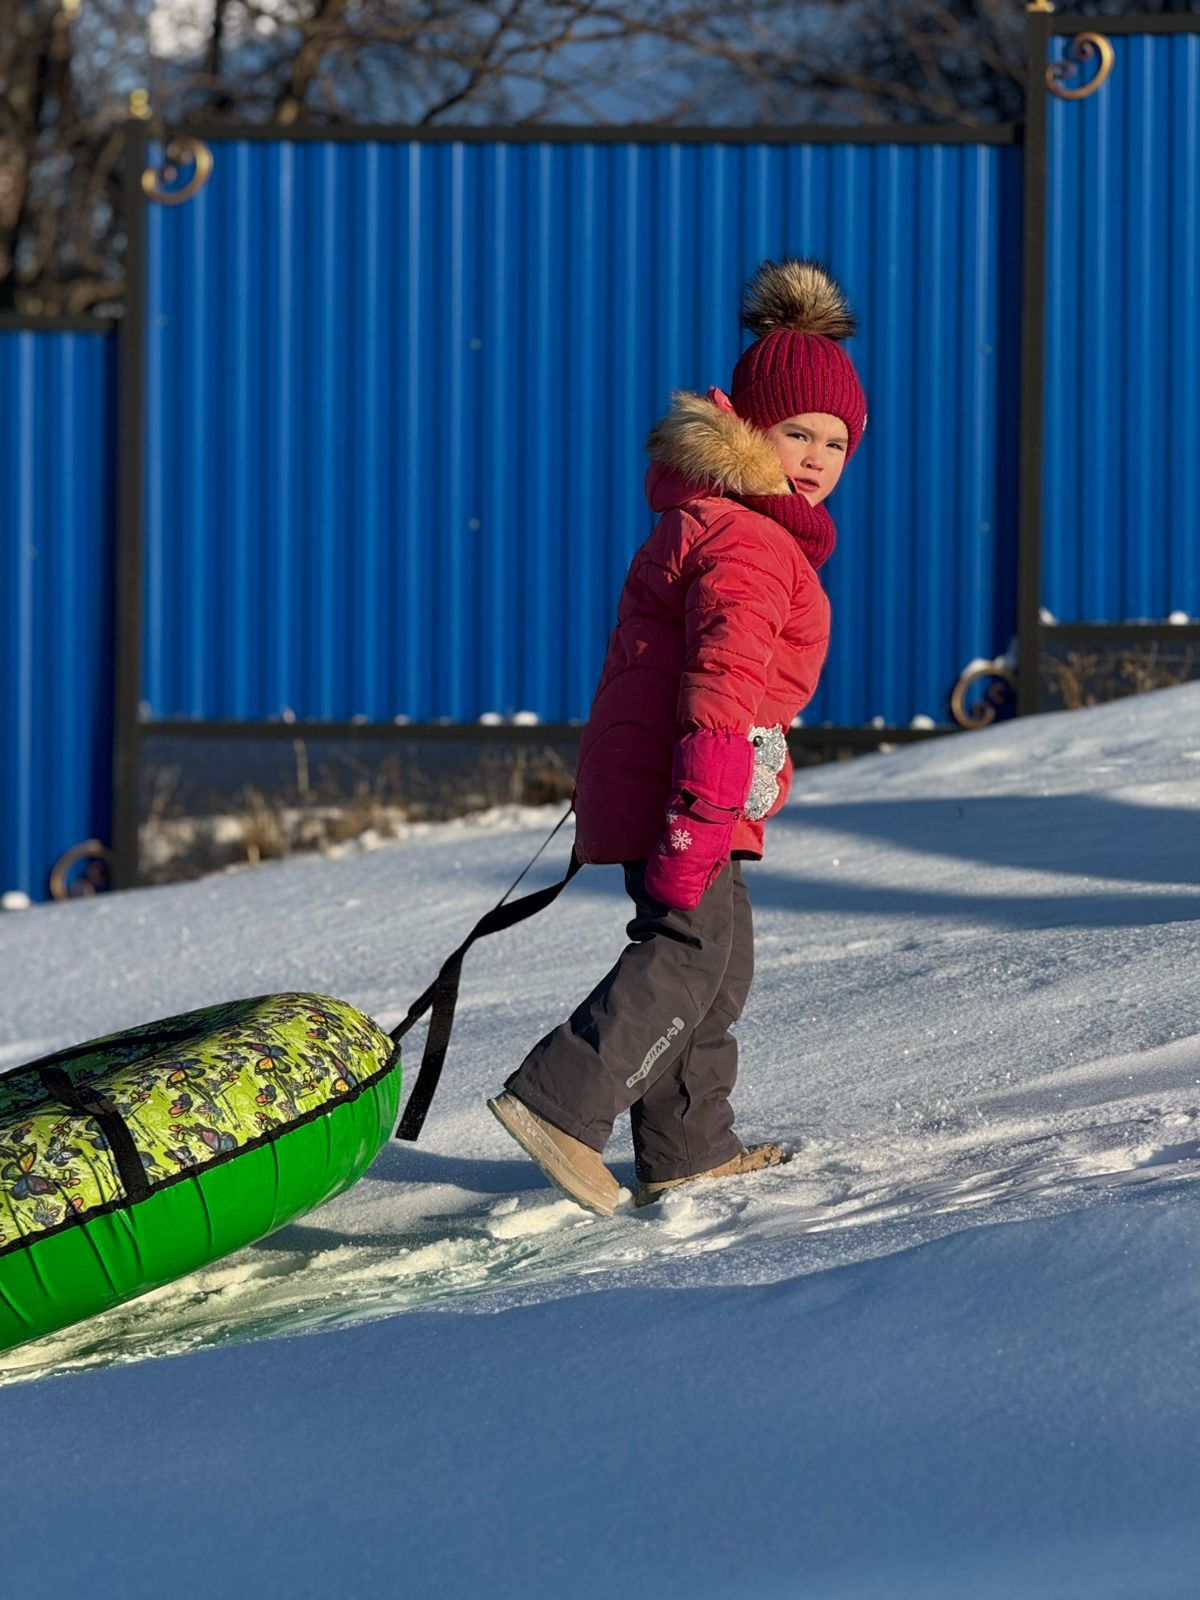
<point>716,766</point>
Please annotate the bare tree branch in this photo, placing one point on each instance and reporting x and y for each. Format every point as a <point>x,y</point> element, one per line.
<point>65,76</point>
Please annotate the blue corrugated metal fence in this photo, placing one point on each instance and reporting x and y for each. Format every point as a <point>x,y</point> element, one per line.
<point>398,396</point>
<point>58,465</point>
<point>395,395</point>
<point>1121,485</point>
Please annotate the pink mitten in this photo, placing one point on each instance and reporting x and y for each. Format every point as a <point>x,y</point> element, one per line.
<point>711,773</point>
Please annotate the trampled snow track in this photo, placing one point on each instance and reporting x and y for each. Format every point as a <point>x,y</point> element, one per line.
<point>380,1256</point>
<point>974,1004</point>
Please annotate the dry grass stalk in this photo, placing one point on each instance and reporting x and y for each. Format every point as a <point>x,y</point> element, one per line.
<point>260,826</point>
<point>1082,677</point>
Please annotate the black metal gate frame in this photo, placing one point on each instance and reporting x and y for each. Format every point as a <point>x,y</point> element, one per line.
<point>130,728</point>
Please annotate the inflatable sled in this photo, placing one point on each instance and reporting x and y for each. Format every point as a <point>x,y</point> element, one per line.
<point>133,1159</point>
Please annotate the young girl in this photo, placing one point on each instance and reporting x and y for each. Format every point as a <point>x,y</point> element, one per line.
<point>722,629</point>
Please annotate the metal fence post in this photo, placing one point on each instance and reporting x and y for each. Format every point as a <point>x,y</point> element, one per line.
<point>1033,361</point>
<point>128,630</point>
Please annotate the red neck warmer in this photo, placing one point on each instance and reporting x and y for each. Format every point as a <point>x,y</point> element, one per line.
<point>811,525</point>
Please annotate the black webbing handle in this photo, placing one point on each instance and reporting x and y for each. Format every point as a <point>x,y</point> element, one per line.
<point>149,1039</point>
<point>442,993</point>
<point>87,1101</point>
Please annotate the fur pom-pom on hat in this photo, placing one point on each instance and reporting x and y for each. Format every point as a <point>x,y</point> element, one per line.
<point>797,293</point>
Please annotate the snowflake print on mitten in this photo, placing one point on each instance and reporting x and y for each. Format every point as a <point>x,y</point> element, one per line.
<point>680,839</point>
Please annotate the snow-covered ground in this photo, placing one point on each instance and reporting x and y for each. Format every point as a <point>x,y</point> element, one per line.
<point>949,1350</point>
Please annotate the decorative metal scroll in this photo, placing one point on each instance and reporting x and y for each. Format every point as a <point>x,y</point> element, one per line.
<point>180,153</point>
<point>998,695</point>
<point>95,876</point>
<point>1083,47</point>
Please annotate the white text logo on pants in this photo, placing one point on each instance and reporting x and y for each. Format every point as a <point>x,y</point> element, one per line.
<point>655,1050</point>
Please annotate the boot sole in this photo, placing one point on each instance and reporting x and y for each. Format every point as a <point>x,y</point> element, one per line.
<point>520,1126</point>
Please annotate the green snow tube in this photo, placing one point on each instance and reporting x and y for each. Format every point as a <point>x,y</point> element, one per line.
<point>133,1159</point>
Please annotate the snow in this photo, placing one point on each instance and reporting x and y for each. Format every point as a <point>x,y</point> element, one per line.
<point>947,1350</point>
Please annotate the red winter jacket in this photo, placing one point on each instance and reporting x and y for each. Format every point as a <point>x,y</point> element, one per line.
<point>722,623</point>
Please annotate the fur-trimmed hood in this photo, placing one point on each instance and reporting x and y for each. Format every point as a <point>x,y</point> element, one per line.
<point>701,448</point>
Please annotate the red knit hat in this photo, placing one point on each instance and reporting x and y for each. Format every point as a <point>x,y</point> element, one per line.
<point>796,364</point>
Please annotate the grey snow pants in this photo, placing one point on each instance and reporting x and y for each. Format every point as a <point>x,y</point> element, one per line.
<point>653,1036</point>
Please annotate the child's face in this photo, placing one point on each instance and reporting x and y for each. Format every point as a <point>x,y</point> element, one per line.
<point>812,448</point>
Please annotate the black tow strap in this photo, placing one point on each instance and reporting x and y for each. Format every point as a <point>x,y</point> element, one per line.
<point>87,1101</point>
<point>442,993</point>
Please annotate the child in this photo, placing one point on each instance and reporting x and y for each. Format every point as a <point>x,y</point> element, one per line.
<point>722,629</point>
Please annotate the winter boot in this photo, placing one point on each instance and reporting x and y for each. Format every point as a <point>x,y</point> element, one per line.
<point>574,1167</point>
<point>753,1159</point>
